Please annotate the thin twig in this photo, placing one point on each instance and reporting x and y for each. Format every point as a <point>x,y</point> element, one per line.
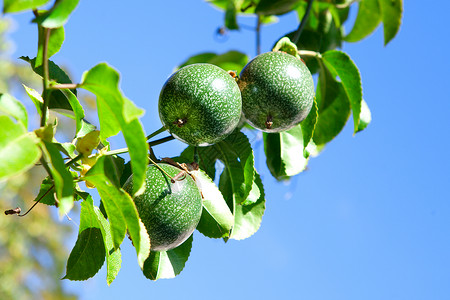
<point>151,144</point>
<point>37,201</point>
<point>303,22</point>
<point>309,53</point>
<point>46,92</point>
<point>161,141</point>
<point>162,129</point>
<point>62,86</point>
<point>258,35</point>
<point>74,160</point>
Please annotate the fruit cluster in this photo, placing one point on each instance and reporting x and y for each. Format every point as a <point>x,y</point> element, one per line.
<point>201,104</point>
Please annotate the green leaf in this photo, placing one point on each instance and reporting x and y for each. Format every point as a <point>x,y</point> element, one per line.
<point>309,124</point>
<point>58,15</point>
<point>248,218</point>
<point>67,148</point>
<point>275,7</point>
<point>216,220</point>
<point>36,98</point>
<point>120,209</point>
<point>368,18</point>
<point>77,109</point>
<point>333,117</point>
<point>18,148</point>
<point>236,153</point>
<point>10,6</point>
<point>167,264</point>
<point>391,11</point>
<point>57,98</point>
<point>321,36</point>
<point>254,195</point>
<point>365,117</point>
<point>340,64</point>
<point>54,44</point>
<point>116,113</point>
<point>62,178</point>
<point>231,60</point>
<point>86,128</point>
<point>282,153</point>
<point>113,256</point>
<point>46,192</point>
<point>198,58</point>
<point>89,252</point>
<point>13,107</point>
<point>230,16</point>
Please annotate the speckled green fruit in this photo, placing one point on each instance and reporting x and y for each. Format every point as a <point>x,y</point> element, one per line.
<point>169,211</point>
<point>200,104</point>
<point>277,91</point>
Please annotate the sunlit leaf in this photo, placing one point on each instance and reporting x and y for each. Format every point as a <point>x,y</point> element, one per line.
<point>88,254</point>
<point>230,16</point>
<point>365,116</point>
<point>14,108</point>
<point>367,20</point>
<point>216,220</point>
<point>332,118</point>
<point>340,64</point>
<point>116,113</point>
<point>58,15</point>
<point>57,98</point>
<point>55,42</point>
<point>36,98</point>
<point>248,217</point>
<point>10,6</point>
<point>77,109</point>
<point>391,11</point>
<point>231,60</point>
<point>62,178</point>
<point>309,124</point>
<point>284,152</point>
<point>167,264</point>
<point>275,7</point>
<point>113,256</point>
<point>18,149</point>
<point>120,209</point>
<point>46,192</point>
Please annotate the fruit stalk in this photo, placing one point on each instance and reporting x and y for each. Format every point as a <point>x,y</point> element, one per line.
<point>303,22</point>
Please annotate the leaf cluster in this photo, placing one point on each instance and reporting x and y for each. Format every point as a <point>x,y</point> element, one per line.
<point>233,208</point>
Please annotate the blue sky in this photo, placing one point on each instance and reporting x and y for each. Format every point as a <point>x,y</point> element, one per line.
<point>370,219</point>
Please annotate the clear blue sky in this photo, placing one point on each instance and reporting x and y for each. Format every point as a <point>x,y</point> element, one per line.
<point>370,219</point>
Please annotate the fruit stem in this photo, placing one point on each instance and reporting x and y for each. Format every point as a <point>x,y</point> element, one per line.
<point>63,86</point>
<point>151,144</point>
<point>74,160</point>
<point>309,53</point>
<point>302,23</point>
<point>162,170</point>
<point>162,129</point>
<point>161,141</point>
<point>196,157</point>
<point>269,122</point>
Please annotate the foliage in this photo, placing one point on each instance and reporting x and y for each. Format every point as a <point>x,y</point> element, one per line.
<point>234,208</point>
<point>33,252</point>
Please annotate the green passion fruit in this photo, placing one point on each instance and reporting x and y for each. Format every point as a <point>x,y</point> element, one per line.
<point>200,104</point>
<point>169,210</point>
<point>277,91</point>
